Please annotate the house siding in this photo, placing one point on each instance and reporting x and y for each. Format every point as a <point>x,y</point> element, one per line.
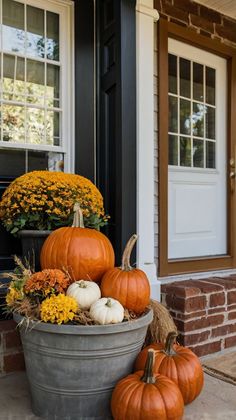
<point>198,19</point>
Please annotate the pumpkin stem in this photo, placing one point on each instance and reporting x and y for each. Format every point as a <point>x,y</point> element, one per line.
<point>82,284</point>
<point>109,303</point>
<point>148,377</point>
<point>125,265</point>
<point>171,337</point>
<point>78,220</point>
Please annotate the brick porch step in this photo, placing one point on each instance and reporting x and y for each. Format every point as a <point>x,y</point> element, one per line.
<point>204,312</point>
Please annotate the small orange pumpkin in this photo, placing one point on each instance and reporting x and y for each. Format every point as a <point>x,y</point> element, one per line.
<point>179,363</point>
<point>85,253</point>
<point>147,395</point>
<point>130,286</point>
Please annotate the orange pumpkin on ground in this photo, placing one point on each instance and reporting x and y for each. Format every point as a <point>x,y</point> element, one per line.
<point>179,363</point>
<point>85,253</point>
<point>145,395</point>
<point>130,286</point>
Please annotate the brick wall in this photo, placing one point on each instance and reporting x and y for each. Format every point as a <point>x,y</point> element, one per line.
<point>11,354</point>
<point>204,312</point>
<point>198,18</point>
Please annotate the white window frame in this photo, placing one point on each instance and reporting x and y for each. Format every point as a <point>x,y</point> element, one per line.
<point>65,9</point>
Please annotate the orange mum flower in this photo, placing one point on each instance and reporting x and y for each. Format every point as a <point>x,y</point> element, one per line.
<point>47,282</point>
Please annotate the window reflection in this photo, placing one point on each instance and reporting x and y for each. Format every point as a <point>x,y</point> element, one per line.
<point>198,153</point>
<point>172,73</point>
<point>184,68</point>
<point>198,119</point>
<point>198,82</point>
<point>173,150</point>
<point>185,151</point>
<point>185,116</point>
<point>13,35</point>
<point>210,85</point>
<point>173,114</point>
<point>52,36</point>
<point>35,32</point>
<point>210,155</point>
<point>210,122</point>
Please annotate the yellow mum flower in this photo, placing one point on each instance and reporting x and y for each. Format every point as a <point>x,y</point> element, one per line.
<point>58,309</point>
<point>45,200</point>
<point>12,296</point>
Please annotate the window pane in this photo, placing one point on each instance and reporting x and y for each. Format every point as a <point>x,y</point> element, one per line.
<point>53,83</point>
<point>198,153</point>
<point>198,119</point>
<point>35,32</point>
<point>13,77</point>
<point>210,85</point>
<point>13,117</point>
<point>185,116</point>
<point>52,36</point>
<point>13,34</point>
<point>210,154</point>
<point>172,73</point>
<point>35,82</point>
<point>173,114</point>
<point>35,126</point>
<point>12,162</point>
<point>210,122</point>
<point>173,150</point>
<point>53,128</point>
<point>185,151</point>
<point>184,69</point>
<point>55,161</point>
<point>37,161</point>
<point>198,82</point>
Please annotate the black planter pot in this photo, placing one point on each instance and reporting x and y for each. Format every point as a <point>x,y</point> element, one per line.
<point>32,242</point>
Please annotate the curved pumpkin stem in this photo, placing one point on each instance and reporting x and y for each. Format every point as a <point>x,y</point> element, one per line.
<point>148,377</point>
<point>125,265</point>
<point>78,220</point>
<point>171,337</point>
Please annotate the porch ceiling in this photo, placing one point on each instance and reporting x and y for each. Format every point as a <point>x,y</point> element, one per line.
<point>226,7</point>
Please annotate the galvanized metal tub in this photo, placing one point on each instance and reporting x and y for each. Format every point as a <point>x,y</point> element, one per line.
<point>73,369</point>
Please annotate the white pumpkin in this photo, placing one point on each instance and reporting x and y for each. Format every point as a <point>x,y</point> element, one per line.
<point>84,292</point>
<point>107,311</point>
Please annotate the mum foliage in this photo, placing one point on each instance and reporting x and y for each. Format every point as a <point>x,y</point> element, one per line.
<point>44,200</point>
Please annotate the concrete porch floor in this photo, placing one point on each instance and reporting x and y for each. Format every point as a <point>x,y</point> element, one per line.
<point>217,400</point>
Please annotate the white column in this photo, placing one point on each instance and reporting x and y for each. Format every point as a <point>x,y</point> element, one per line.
<point>146,15</point>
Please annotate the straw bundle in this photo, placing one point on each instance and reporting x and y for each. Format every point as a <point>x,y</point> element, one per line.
<point>161,325</point>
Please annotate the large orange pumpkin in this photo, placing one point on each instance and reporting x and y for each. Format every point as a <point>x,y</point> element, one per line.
<point>130,286</point>
<point>147,395</point>
<point>85,253</point>
<point>179,363</point>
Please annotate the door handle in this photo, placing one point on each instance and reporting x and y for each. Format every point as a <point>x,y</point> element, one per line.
<point>232,174</point>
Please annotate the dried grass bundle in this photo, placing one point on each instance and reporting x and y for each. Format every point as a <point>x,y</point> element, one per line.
<point>161,324</point>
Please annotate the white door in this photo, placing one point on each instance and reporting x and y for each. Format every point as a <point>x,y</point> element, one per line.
<point>197,153</point>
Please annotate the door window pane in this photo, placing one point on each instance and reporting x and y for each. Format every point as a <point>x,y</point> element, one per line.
<point>210,155</point>
<point>172,73</point>
<point>173,114</point>
<point>210,122</point>
<point>173,150</point>
<point>53,36</point>
<point>198,119</point>
<point>210,85</point>
<point>184,69</point>
<point>185,116</point>
<point>13,34</point>
<point>198,82</point>
<point>198,153</point>
<point>185,151</point>
<point>35,32</point>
